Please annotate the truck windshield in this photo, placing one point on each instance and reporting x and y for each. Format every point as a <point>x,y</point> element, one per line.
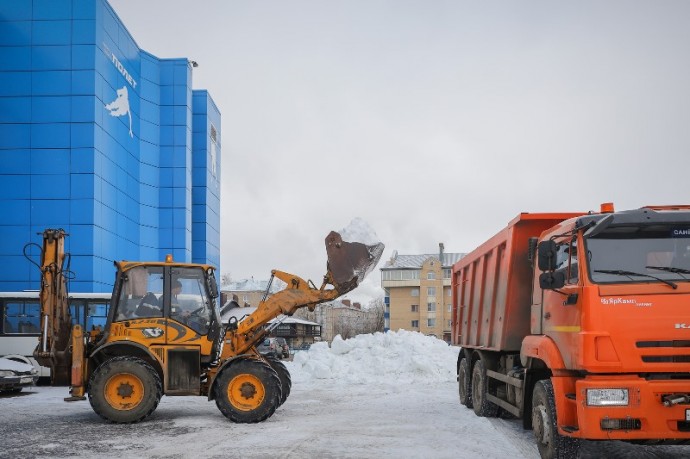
<point>637,254</point>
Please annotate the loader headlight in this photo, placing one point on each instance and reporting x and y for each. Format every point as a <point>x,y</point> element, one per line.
<point>607,397</point>
<point>6,373</point>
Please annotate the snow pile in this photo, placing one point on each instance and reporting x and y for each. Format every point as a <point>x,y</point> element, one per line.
<point>359,231</point>
<point>401,357</point>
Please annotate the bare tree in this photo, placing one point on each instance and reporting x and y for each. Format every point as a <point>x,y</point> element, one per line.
<point>225,278</point>
<point>344,328</point>
<point>375,316</point>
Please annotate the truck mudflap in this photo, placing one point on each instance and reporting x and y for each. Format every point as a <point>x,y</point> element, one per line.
<point>631,408</point>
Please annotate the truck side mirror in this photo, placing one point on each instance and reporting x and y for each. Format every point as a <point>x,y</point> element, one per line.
<point>551,280</point>
<point>546,253</point>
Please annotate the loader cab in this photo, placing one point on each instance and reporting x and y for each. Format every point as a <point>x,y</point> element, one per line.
<point>169,304</point>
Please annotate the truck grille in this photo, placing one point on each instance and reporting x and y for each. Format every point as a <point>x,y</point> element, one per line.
<point>676,343</point>
<point>666,358</point>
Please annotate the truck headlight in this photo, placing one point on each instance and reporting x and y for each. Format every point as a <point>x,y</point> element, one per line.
<point>6,373</point>
<point>607,397</point>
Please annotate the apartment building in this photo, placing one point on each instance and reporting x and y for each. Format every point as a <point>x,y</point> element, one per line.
<point>418,292</point>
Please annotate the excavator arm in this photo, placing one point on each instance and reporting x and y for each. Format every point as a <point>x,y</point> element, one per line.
<point>53,349</point>
<point>348,264</point>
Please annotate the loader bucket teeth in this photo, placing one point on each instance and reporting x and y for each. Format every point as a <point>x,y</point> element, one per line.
<point>350,262</point>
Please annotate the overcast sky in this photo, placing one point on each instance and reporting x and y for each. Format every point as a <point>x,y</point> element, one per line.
<point>434,121</point>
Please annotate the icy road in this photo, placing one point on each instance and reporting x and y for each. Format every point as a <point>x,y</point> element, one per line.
<point>375,396</point>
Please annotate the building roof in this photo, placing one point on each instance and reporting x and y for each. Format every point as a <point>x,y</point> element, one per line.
<point>250,285</point>
<point>416,261</point>
<point>239,313</point>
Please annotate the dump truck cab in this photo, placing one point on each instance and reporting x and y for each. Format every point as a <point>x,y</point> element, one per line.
<point>612,320</point>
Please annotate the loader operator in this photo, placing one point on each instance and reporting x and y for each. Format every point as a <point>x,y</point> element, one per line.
<point>180,311</point>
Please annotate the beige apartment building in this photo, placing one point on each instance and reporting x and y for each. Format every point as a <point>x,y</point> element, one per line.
<point>418,292</point>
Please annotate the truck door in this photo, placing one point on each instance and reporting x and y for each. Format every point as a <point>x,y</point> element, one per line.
<point>561,307</point>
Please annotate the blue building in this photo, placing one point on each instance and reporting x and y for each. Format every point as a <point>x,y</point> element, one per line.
<point>103,139</point>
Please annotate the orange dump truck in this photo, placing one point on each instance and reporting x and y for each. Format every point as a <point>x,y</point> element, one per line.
<point>579,324</point>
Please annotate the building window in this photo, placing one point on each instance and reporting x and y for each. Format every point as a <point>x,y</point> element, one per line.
<point>431,275</point>
<point>414,292</point>
<point>400,274</point>
<point>449,324</point>
<point>448,292</point>
<point>430,322</point>
<point>415,324</point>
<point>245,298</point>
<point>431,307</point>
<point>431,291</point>
<point>450,307</point>
<point>446,273</point>
<point>414,308</point>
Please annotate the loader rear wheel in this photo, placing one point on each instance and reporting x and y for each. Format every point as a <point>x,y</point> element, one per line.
<point>284,376</point>
<point>551,444</point>
<point>248,391</point>
<point>480,388</point>
<point>124,390</point>
<point>465,383</point>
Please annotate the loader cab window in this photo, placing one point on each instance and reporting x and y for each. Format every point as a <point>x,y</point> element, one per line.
<point>190,303</point>
<point>141,293</point>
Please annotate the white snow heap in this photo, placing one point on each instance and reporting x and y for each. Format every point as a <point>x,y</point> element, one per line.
<point>359,231</point>
<point>401,357</point>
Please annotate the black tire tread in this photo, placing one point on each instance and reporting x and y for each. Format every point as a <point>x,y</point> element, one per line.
<point>271,383</point>
<point>562,447</point>
<point>284,376</point>
<point>101,406</point>
<point>465,382</point>
<point>481,405</point>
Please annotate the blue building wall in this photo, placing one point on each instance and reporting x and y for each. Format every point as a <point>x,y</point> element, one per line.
<point>104,140</point>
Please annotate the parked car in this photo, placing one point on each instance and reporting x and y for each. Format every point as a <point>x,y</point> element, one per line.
<point>14,376</point>
<point>271,348</point>
<point>284,347</point>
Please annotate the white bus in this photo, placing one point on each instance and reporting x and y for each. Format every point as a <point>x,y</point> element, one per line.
<point>21,319</point>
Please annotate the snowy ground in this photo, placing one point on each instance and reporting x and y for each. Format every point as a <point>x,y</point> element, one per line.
<point>375,396</point>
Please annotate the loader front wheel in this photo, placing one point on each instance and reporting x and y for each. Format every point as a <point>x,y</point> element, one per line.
<point>124,390</point>
<point>248,391</point>
<point>284,376</point>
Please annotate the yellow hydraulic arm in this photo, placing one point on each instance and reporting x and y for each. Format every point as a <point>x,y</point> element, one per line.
<point>53,348</point>
<point>348,264</point>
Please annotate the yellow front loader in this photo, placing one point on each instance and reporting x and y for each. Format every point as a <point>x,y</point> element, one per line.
<point>164,335</point>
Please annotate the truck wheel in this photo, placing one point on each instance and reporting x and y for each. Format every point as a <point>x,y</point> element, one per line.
<point>248,391</point>
<point>465,383</point>
<point>284,376</point>
<point>480,387</point>
<point>552,445</point>
<point>124,390</point>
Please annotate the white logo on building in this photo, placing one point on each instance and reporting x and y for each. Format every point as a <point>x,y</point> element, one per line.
<point>120,106</point>
<point>213,151</point>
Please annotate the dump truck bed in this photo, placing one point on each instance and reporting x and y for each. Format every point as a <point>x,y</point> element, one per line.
<point>492,286</point>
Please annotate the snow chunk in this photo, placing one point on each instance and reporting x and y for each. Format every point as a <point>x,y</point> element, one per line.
<point>359,231</point>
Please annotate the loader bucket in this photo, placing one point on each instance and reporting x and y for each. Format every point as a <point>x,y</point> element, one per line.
<point>350,262</point>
